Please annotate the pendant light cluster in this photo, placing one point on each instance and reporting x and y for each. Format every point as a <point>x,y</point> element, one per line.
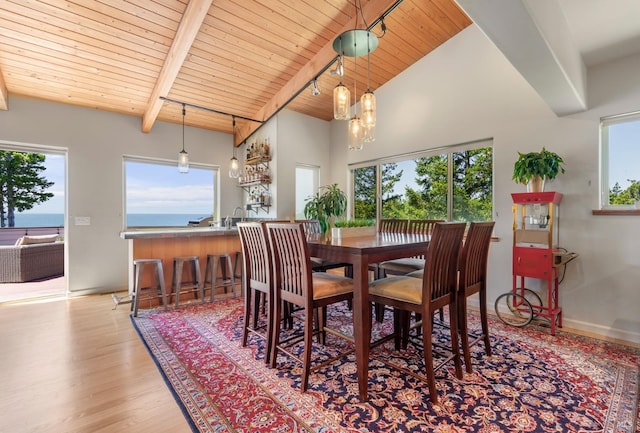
<point>355,43</point>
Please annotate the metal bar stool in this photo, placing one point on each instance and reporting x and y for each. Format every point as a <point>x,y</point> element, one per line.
<point>194,284</point>
<point>227,277</point>
<point>158,286</point>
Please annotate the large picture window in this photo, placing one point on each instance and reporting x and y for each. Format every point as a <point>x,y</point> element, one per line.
<point>157,195</point>
<point>454,184</point>
<point>619,156</point>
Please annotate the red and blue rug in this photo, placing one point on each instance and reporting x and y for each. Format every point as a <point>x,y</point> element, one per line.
<point>534,382</point>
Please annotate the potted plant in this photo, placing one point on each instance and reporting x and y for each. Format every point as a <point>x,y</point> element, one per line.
<point>329,202</point>
<point>534,168</point>
<point>351,228</point>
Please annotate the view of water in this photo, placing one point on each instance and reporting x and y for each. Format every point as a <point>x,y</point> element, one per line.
<point>149,220</point>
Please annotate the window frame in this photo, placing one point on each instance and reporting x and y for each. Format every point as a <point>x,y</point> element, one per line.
<point>170,163</point>
<point>605,207</point>
<point>448,150</point>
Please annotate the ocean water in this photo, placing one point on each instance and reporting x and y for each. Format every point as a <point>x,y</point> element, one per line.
<point>133,220</point>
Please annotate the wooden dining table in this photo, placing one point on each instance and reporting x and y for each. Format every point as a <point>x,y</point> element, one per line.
<point>360,252</point>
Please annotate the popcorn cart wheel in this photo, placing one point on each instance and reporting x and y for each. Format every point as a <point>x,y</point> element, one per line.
<point>518,309</point>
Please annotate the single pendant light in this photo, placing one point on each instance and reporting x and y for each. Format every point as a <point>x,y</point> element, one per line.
<point>183,156</point>
<point>355,138</point>
<point>368,103</point>
<point>341,95</point>
<point>234,167</point>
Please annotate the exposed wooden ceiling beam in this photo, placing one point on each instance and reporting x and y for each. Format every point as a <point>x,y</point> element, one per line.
<point>4,97</point>
<point>372,11</point>
<point>189,27</point>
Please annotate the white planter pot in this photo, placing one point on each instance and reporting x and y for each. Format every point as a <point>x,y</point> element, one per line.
<point>351,232</point>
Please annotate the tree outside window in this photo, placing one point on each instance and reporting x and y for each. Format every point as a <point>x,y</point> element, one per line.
<point>620,152</point>
<point>455,186</point>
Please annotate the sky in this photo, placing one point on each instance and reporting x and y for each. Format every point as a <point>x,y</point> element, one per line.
<point>152,188</point>
<point>156,188</point>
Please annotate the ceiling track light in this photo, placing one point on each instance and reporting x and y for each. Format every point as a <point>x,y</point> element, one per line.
<point>315,90</point>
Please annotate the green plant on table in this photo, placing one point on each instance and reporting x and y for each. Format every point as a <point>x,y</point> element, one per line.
<point>354,223</point>
<point>328,203</point>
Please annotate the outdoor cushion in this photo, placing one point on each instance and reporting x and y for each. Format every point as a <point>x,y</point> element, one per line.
<point>40,239</point>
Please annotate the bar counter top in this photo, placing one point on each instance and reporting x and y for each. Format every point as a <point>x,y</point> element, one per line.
<point>178,232</point>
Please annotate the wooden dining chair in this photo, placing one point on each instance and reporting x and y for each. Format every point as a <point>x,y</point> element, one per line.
<point>409,264</point>
<point>259,292</point>
<point>393,225</point>
<point>295,283</point>
<point>318,264</point>
<point>473,279</point>
<point>436,289</point>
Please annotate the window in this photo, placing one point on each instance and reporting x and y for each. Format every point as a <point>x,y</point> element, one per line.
<point>453,184</point>
<point>306,186</point>
<point>619,156</point>
<point>156,195</point>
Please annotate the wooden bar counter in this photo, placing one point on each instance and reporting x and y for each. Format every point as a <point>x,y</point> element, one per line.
<point>166,244</point>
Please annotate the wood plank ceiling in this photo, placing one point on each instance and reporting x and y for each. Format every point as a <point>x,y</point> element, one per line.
<point>242,57</point>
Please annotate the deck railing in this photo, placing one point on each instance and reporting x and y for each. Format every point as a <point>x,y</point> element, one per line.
<point>9,235</point>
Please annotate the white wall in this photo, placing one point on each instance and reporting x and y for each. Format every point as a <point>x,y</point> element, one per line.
<point>301,140</point>
<point>466,90</point>
<point>96,142</point>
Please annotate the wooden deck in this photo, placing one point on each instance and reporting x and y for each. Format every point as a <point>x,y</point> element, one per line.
<point>49,287</point>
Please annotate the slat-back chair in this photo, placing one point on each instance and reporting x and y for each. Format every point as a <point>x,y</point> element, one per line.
<point>473,279</point>
<point>258,282</point>
<point>295,283</point>
<point>409,264</point>
<point>319,264</point>
<point>424,296</point>
<point>393,225</point>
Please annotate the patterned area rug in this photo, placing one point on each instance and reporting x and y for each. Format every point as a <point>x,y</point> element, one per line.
<point>534,382</point>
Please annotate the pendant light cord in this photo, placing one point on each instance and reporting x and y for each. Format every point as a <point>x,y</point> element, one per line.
<point>184,112</point>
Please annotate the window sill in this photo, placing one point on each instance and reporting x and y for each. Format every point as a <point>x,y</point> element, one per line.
<point>615,212</point>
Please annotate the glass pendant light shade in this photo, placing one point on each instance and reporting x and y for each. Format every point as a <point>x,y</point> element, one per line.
<point>368,133</point>
<point>234,168</point>
<point>368,105</point>
<point>356,134</point>
<point>183,156</point>
<point>341,98</point>
<point>183,161</point>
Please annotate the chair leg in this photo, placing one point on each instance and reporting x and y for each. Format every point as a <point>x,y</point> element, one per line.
<point>247,311</point>
<point>428,360</point>
<point>277,317</point>
<point>455,347</point>
<point>308,341</point>
<point>484,321</point>
<point>464,332</point>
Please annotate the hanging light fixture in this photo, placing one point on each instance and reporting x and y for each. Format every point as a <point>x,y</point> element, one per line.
<point>368,103</point>
<point>341,95</point>
<point>183,156</point>
<point>315,90</point>
<point>356,132</point>
<point>234,166</point>
<point>356,43</point>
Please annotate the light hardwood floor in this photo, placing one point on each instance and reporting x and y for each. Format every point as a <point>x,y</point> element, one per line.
<point>76,365</point>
